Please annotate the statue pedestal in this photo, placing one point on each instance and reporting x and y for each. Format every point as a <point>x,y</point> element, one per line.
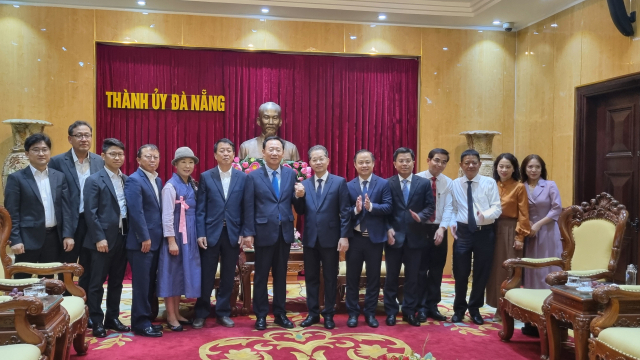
<point>482,142</point>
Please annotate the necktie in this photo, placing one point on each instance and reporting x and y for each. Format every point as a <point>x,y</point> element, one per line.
<point>470,216</point>
<point>435,198</point>
<point>274,183</point>
<point>405,191</point>
<point>363,224</point>
<point>319,189</point>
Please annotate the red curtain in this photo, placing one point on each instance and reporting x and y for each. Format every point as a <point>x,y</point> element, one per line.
<point>343,103</point>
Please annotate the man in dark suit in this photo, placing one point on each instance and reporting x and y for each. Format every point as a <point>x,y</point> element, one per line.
<point>106,218</point>
<point>327,230</point>
<point>76,165</point>
<point>370,203</point>
<point>219,229</point>
<point>37,198</point>
<point>413,204</point>
<point>268,219</point>
<point>142,193</point>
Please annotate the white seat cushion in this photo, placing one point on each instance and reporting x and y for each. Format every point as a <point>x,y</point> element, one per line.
<point>624,340</point>
<point>19,282</point>
<point>74,306</point>
<point>20,351</point>
<point>528,299</point>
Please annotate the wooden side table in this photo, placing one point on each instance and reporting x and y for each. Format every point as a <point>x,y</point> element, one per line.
<point>53,322</point>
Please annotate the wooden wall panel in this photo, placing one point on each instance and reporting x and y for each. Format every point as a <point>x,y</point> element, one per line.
<point>135,27</point>
<point>221,32</point>
<point>380,39</point>
<point>302,36</point>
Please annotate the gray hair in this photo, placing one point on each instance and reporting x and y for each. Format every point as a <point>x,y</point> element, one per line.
<point>318,147</point>
<point>268,105</point>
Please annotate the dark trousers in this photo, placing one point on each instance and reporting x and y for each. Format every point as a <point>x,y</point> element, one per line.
<point>274,258</point>
<point>144,268</point>
<point>79,254</point>
<point>49,252</point>
<point>329,258</point>
<point>228,256</point>
<point>112,264</point>
<point>479,244</point>
<point>362,250</point>
<point>394,258</point>
<point>431,269</point>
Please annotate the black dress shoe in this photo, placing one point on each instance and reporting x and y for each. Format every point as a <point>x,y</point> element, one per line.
<point>283,321</point>
<point>422,316</point>
<point>457,318</point>
<point>188,322</point>
<point>198,323</point>
<point>530,330</point>
<point>310,320</point>
<point>225,321</point>
<point>352,321</point>
<point>261,323</point>
<point>435,315</point>
<point>158,327</point>
<point>476,318</point>
<point>328,322</point>
<point>371,321</point>
<point>89,324</point>
<point>99,331</point>
<point>175,328</point>
<point>411,320</point>
<point>391,320</point>
<point>115,324</point>
<point>149,332</point>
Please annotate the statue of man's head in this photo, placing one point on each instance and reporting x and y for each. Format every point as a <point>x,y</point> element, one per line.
<point>269,119</point>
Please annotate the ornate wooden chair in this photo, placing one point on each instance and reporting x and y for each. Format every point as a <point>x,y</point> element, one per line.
<point>74,304</point>
<point>34,342</point>
<point>619,342</point>
<point>591,237</point>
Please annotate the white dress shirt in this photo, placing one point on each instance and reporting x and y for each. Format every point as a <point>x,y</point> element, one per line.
<point>118,185</point>
<point>408,182</point>
<point>152,178</point>
<point>83,173</point>
<point>357,227</point>
<point>486,199</point>
<point>443,198</point>
<point>278,175</point>
<point>42,180</point>
<point>225,177</point>
<point>324,180</point>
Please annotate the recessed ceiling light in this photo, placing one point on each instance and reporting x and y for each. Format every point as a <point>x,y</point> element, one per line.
<point>382,17</point>
<point>250,45</point>
<point>554,25</point>
<point>445,49</point>
<point>352,37</point>
<point>142,3</point>
<point>496,22</point>
<point>265,10</point>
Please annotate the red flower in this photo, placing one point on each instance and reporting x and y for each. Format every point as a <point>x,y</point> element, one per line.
<point>296,165</point>
<point>245,164</point>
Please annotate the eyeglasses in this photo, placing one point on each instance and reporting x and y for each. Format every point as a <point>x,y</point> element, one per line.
<point>39,150</point>
<point>151,157</point>
<point>318,160</point>
<point>115,155</point>
<point>82,136</point>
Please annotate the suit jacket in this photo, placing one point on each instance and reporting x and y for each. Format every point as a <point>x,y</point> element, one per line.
<point>23,202</point>
<point>262,208</point>
<point>144,211</point>
<point>101,209</point>
<point>212,208</point>
<point>326,219</point>
<point>380,197</point>
<point>421,201</point>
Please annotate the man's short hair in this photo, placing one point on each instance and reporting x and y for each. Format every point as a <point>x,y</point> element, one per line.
<point>269,105</point>
<point>146,146</point>
<point>373,158</point>
<point>403,150</point>
<point>36,138</point>
<point>316,148</point>
<point>435,151</point>
<point>109,142</point>
<point>264,143</point>
<point>77,124</point>
<point>225,141</point>
<point>469,152</point>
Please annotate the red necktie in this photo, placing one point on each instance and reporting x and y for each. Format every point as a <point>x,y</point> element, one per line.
<point>435,198</point>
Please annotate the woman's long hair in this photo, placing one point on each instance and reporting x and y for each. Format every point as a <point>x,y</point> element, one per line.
<point>514,163</point>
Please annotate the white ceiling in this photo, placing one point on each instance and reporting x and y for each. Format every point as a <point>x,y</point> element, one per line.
<point>473,14</point>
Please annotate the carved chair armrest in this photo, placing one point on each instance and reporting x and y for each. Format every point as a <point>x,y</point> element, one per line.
<point>54,287</point>
<point>611,296</point>
<point>67,270</point>
<point>560,277</point>
<point>514,268</point>
<point>21,307</point>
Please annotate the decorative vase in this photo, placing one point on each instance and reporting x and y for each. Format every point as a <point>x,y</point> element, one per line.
<point>482,142</point>
<point>20,129</point>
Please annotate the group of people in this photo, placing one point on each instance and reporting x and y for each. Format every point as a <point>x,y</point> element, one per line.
<point>79,205</point>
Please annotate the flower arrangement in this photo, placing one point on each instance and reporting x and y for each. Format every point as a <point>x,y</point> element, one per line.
<point>249,164</point>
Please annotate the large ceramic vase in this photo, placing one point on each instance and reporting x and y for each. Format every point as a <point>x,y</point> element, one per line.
<point>20,129</point>
<point>482,142</point>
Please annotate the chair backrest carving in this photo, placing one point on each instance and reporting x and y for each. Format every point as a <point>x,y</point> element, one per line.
<point>5,232</point>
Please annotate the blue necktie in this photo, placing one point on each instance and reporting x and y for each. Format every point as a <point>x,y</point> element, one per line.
<point>471,219</point>
<point>363,225</point>
<point>405,191</point>
<point>274,183</point>
<point>319,189</point>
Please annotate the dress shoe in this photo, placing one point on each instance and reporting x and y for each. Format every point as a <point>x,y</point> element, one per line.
<point>225,321</point>
<point>457,318</point>
<point>371,321</point>
<point>530,330</point>
<point>261,323</point>
<point>89,324</point>
<point>99,331</point>
<point>391,320</point>
<point>422,316</point>
<point>283,321</point>
<point>476,318</point>
<point>310,320</point>
<point>188,322</point>
<point>352,321</point>
<point>149,332</point>
<point>198,323</point>
<point>158,327</point>
<point>175,328</point>
<point>411,320</point>
<point>115,324</point>
<point>435,315</point>
<point>328,322</point>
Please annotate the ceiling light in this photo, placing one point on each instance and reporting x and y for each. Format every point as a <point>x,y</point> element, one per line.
<point>352,37</point>
<point>16,5</point>
<point>496,22</point>
<point>382,17</point>
<point>554,25</point>
<point>373,25</point>
<point>535,33</point>
<point>445,49</point>
<point>250,45</point>
<point>265,10</point>
<point>254,30</point>
<point>43,29</point>
<point>261,19</point>
<point>479,30</point>
<point>145,13</point>
<point>142,3</point>
<point>152,25</point>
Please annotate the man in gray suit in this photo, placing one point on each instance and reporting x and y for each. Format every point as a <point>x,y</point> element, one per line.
<point>37,198</point>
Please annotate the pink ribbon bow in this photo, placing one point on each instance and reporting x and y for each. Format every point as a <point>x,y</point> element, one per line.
<point>183,219</point>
